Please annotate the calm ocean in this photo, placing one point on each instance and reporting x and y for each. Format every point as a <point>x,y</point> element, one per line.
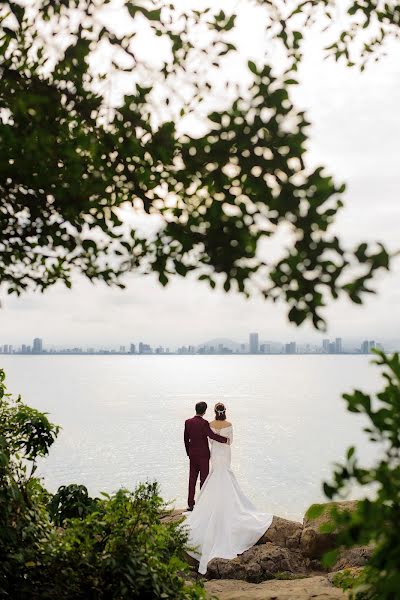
<point>122,419</point>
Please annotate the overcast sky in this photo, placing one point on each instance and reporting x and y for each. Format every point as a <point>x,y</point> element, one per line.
<point>355,133</point>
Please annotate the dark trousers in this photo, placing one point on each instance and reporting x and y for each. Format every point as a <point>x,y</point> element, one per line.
<point>197,465</point>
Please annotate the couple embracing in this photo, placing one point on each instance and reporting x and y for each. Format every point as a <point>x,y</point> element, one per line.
<point>223,523</point>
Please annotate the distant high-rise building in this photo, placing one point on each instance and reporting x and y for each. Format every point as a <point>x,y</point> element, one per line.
<point>122,349</point>
<point>37,346</point>
<point>132,349</point>
<point>365,347</point>
<point>338,344</point>
<point>291,348</point>
<point>325,345</point>
<point>242,347</point>
<point>332,348</point>
<point>371,345</point>
<point>144,348</point>
<point>253,343</point>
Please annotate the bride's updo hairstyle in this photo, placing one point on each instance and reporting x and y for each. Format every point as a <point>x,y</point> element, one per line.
<point>220,411</point>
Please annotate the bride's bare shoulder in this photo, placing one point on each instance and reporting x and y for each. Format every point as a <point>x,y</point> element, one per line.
<point>220,424</point>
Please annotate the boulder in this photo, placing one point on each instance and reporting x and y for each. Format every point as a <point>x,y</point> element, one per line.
<point>314,543</point>
<point>311,588</point>
<point>325,516</point>
<point>259,563</point>
<point>352,557</point>
<point>283,533</point>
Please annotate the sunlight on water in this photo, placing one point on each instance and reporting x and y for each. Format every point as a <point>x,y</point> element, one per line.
<point>122,419</point>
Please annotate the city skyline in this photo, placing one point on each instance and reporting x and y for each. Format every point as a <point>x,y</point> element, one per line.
<point>227,346</point>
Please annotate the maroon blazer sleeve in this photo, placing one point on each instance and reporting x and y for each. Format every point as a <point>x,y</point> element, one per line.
<point>186,439</point>
<point>215,436</point>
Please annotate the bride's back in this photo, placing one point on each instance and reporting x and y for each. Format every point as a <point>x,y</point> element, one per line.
<point>221,453</point>
<point>220,424</point>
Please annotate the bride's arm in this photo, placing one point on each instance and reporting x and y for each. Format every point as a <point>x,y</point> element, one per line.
<point>230,436</point>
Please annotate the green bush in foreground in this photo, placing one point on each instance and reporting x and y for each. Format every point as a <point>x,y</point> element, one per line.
<point>115,547</point>
<point>376,520</point>
<point>70,501</point>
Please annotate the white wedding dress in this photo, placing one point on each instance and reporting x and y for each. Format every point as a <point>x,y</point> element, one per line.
<point>224,523</point>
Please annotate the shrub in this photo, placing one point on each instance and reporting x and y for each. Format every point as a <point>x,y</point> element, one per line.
<point>119,550</point>
<point>69,502</point>
<point>376,520</point>
<point>25,434</point>
<point>114,547</point>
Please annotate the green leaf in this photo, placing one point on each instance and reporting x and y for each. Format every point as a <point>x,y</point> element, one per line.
<point>253,67</point>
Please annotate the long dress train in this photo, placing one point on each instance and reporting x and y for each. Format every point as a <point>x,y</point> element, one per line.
<point>224,523</point>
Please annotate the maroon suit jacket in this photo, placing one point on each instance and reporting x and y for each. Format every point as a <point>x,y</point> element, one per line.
<point>197,432</point>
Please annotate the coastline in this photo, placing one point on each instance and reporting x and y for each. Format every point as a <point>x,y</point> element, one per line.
<point>286,562</point>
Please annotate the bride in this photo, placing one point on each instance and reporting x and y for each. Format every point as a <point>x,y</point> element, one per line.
<point>224,523</point>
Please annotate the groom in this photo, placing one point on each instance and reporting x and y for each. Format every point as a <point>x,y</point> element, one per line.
<point>197,432</point>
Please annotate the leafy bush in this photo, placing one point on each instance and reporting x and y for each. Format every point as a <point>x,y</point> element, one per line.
<point>120,550</point>
<point>349,579</point>
<point>375,521</point>
<point>115,547</point>
<point>25,434</point>
<point>69,502</point>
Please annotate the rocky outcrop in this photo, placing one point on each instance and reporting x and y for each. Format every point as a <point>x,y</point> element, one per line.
<point>312,588</point>
<point>290,548</point>
<point>259,563</point>
<point>284,533</point>
<point>285,563</point>
<point>313,542</point>
<point>352,557</point>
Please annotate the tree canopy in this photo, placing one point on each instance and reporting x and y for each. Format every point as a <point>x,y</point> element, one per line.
<point>75,166</point>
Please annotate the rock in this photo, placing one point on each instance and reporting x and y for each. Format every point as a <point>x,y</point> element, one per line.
<point>173,515</point>
<point>258,563</point>
<point>325,517</point>
<point>352,557</point>
<point>283,533</point>
<point>313,543</point>
<point>311,588</point>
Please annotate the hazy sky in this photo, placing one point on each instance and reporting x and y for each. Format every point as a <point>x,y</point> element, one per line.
<point>355,133</point>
